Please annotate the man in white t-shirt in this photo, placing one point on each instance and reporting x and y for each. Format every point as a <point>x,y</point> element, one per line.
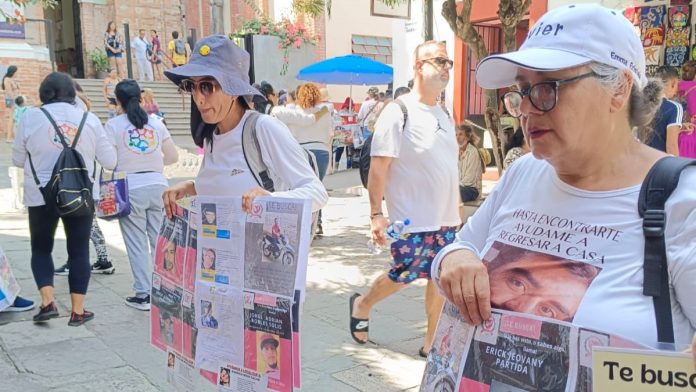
<point>139,46</point>
<point>414,168</point>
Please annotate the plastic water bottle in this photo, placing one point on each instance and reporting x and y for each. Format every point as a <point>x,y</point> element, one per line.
<point>394,231</point>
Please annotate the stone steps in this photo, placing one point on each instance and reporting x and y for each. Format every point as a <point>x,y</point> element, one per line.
<point>166,95</point>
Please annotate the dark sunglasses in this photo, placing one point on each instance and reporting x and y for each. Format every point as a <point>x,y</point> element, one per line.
<point>543,95</point>
<point>205,87</point>
<point>440,61</point>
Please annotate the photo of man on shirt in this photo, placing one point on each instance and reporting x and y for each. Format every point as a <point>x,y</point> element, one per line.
<point>537,283</point>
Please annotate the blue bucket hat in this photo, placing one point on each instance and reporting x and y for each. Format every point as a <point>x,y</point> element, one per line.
<point>218,57</point>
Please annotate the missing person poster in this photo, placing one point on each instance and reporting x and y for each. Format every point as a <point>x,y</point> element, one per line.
<point>239,379</point>
<point>513,352</point>
<point>172,247</point>
<point>268,339</point>
<point>272,244</point>
<point>228,287</point>
<point>166,325</point>
<point>180,372</point>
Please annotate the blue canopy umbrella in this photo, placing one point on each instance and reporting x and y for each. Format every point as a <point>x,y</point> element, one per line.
<point>346,70</point>
<point>349,69</point>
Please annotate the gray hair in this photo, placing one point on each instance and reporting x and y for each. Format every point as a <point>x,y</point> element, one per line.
<point>643,103</point>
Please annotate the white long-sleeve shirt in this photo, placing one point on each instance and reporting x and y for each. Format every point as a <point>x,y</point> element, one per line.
<point>311,133</point>
<point>293,117</point>
<point>36,136</point>
<point>225,172</point>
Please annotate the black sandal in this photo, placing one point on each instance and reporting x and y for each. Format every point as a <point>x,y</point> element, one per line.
<point>356,324</point>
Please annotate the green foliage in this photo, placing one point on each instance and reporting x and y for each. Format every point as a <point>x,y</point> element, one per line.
<point>311,8</point>
<point>315,8</point>
<point>98,58</point>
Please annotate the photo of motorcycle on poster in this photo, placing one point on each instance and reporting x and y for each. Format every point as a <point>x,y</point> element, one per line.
<point>271,243</point>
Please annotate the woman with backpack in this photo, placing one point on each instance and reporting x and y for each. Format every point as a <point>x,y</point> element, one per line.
<point>38,149</point>
<point>221,94</point>
<point>114,47</point>
<point>143,146</point>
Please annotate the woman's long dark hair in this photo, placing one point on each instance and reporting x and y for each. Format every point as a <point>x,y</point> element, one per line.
<point>515,140</point>
<point>128,95</point>
<point>57,87</point>
<point>10,73</point>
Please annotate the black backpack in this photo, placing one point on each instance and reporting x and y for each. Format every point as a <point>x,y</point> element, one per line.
<point>367,147</point>
<point>69,190</point>
<point>659,184</point>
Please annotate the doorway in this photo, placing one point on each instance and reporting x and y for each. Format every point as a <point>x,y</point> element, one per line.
<point>67,34</point>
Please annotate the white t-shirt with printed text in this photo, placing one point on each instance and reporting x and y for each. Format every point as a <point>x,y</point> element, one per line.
<point>139,150</point>
<point>423,180</point>
<point>596,239</point>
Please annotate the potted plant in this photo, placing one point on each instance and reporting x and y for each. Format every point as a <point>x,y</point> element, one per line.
<point>101,63</point>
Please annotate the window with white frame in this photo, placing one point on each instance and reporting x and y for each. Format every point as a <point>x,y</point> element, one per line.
<point>376,48</point>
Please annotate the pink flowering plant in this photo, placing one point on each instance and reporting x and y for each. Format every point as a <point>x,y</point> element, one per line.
<point>290,34</point>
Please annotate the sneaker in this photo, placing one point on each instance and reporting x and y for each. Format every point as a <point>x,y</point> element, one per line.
<point>46,313</point>
<point>103,267</point>
<point>139,302</point>
<point>20,305</point>
<point>64,270</point>
<point>78,319</point>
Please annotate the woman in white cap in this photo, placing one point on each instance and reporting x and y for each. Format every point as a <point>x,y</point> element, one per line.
<point>217,78</point>
<point>561,236</point>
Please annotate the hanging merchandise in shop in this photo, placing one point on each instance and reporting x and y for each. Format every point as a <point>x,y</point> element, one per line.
<point>666,32</point>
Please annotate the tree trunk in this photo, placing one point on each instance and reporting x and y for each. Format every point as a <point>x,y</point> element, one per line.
<point>510,13</point>
<point>509,39</point>
<point>493,124</point>
<point>464,30</point>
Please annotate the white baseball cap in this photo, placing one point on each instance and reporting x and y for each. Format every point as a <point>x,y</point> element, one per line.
<point>568,37</point>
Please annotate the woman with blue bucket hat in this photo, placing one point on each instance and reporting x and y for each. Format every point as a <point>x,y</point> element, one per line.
<point>217,76</point>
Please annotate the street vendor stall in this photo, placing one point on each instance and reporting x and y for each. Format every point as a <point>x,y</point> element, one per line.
<point>348,70</point>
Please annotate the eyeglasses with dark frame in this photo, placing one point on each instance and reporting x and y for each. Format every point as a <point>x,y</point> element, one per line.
<point>440,61</point>
<point>206,86</point>
<point>543,95</point>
